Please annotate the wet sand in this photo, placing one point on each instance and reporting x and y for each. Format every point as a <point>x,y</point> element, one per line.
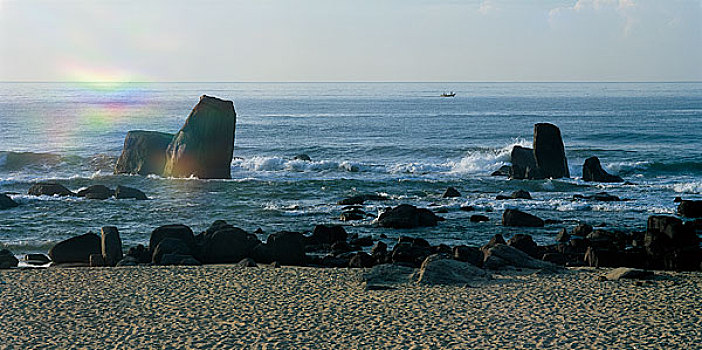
<point>297,308</point>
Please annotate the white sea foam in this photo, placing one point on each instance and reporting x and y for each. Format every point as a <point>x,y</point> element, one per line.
<point>694,187</point>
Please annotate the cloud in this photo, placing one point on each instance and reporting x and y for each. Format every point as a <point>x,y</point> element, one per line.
<point>488,6</point>
<point>625,9</point>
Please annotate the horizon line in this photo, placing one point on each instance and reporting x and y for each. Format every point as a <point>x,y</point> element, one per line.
<point>354,82</point>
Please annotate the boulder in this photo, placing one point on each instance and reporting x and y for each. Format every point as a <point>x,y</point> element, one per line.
<point>672,244</point>
<point>495,240</point>
<point>170,246</point>
<point>563,236</point>
<point>180,260</point>
<point>501,256</point>
<point>592,171</point>
<point>599,196</point>
<point>140,254</point>
<point>247,262</point>
<point>471,255</point>
<point>127,261</point>
<point>628,273</point>
<point>549,151</point>
<point>303,157</point>
<point>228,245</point>
<point>466,208</point>
<point>441,270</point>
<point>204,146</point>
<point>144,153</point>
<point>408,216</point>
<point>502,171</point>
<point>36,259</point>
<point>100,192</point>
<point>479,218</point>
<point>582,230</point>
<point>521,194</point>
<point>523,163</point>
<point>409,253</point>
<point>686,208</point>
<point>451,193</point>
<point>603,257</point>
<point>379,249</point>
<point>76,249</point>
<point>178,231</point>
<point>361,198</point>
<point>6,202</point>
<point>7,259</point>
<point>124,192</point>
<point>352,215</point>
<point>323,234</point>
<point>364,241</point>
<point>388,275</point>
<point>361,260</point>
<point>287,248</point>
<point>49,189</point>
<point>514,217</point>
<point>111,245</point>
<point>524,243</point>
<point>96,260</point>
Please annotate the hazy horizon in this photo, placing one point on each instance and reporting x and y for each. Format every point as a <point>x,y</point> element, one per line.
<point>351,41</point>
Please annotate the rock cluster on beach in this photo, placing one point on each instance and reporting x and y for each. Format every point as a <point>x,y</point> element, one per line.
<point>202,148</point>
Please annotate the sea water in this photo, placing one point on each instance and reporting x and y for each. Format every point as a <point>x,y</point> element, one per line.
<point>398,139</point>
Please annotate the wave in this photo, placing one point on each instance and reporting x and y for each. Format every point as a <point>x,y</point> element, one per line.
<point>14,161</point>
<point>630,167</point>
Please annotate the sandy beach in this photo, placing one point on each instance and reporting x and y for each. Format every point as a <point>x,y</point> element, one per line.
<point>285,308</point>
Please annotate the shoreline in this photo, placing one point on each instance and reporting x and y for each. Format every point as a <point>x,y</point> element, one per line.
<point>295,307</point>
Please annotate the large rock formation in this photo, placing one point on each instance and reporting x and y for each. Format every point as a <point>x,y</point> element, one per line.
<point>546,160</point>
<point>408,216</point>
<point>6,202</point>
<point>592,171</point>
<point>144,153</point>
<point>76,249</point>
<point>205,144</point>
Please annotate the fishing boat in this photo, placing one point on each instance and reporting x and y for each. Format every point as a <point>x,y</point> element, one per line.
<point>448,94</point>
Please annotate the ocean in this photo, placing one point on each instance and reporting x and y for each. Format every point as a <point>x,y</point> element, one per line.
<point>397,139</point>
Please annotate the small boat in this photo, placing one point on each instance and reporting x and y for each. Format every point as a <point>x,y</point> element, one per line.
<point>448,94</point>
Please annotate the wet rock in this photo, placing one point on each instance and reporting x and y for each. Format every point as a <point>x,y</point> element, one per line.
<point>451,193</point>
<point>179,260</point>
<point>408,216</point>
<point>549,151</point>
<point>555,258</point>
<point>672,244</point>
<point>7,259</point>
<point>524,243</point>
<point>111,245</point>
<point>412,254</point>
<point>287,248</point>
<point>502,171</point>
<point>600,196</point>
<point>361,260</point>
<point>690,209</point>
<point>582,230</point>
<point>592,171</point>
<point>514,217</point>
<point>303,157</point>
<point>140,254</point>
<point>144,153</point>
<point>471,255</point>
<point>523,163</point>
<point>6,202</point>
<point>76,249</point>
<point>324,234</point>
<point>96,260</point>
<point>100,192</point>
<point>170,246</point>
<point>204,146</point>
<point>124,192</point>
<point>495,240</point>
<point>467,208</point>
<point>352,216</point>
<point>563,236</point>
<point>441,270</point>
<point>177,231</point>
<point>521,194</point>
<point>479,218</point>
<point>361,198</point>
<point>49,189</point>
<point>677,199</point>
<point>365,241</point>
<point>36,259</point>
<point>603,257</point>
<point>228,244</point>
<point>247,262</point>
<point>502,256</point>
<point>127,261</point>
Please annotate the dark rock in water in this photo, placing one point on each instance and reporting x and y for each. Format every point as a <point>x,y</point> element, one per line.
<point>408,216</point>
<point>552,221</point>
<point>514,217</point>
<point>144,153</point>
<point>247,262</point>
<point>451,193</point>
<point>7,259</point>
<point>96,260</point>
<point>6,202</point>
<point>36,259</point>
<point>180,260</point>
<point>524,243</point>
<point>467,208</point>
<point>521,194</point>
<point>582,230</point>
<point>204,146</point>
<point>628,273</point>
<point>361,260</point>
<point>672,244</point>
<point>501,256</point>
<point>76,249</point>
<point>502,171</point>
<point>287,248</point>
<point>352,216</point>
<point>170,246</point>
<point>549,151</point>
<point>439,269</point>
<point>495,240</point>
<point>441,211</point>
<point>563,236</point>
<point>592,171</point>
<point>479,218</point>
<point>303,157</point>
<point>361,198</point>
<point>341,247</point>
<point>677,199</point>
<point>523,163</point>
<point>471,255</point>
<point>124,192</point>
<point>140,254</point>
<point>690,209</point>
<point>96,192</point>
<point>365,241</point>
<point>228,245</point>
<point>111,245</point>
<point>178,231</point>
<point>380,252</point>
<point>600,196</point>
<point>324,234</point>
<point>49,189</point>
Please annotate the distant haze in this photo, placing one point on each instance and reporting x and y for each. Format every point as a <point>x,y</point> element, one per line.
<point>362,40</point>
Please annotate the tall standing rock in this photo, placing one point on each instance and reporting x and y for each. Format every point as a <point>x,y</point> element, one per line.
<point>592,171</point>
<point>205,144</point>
<point>549,151</point>
<point>144,153</point>
<point>111,245</point>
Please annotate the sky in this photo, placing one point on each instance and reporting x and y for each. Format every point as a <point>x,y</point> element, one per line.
<point>359,40</point>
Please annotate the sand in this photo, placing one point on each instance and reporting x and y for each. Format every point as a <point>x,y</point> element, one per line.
<point>305,308</point>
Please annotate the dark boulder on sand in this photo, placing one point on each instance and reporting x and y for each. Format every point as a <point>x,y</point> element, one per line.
<point>6,202</point>
<point>592,171</point>
<point>690,209</point>
<point>144,153</point>
<point>170,246</point>
<point>672,244</point>
<point>287,248</point>
<point>49,189</point>
<point>204,146</point>
<point>408,216</point>
<point>7,259</point>
<point>111,245</point>
<point>228,244</point>
<point>501,256</point>
<point>524,243</point>
<point>361,260</point>
<point>514,217</point>
<point>549,151</point>
<point>439,269</point>
<point>178,231</point>
<point>471,255</point>
<point>76,249</point>
<point>124,192</point>
<point>96,192</point>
